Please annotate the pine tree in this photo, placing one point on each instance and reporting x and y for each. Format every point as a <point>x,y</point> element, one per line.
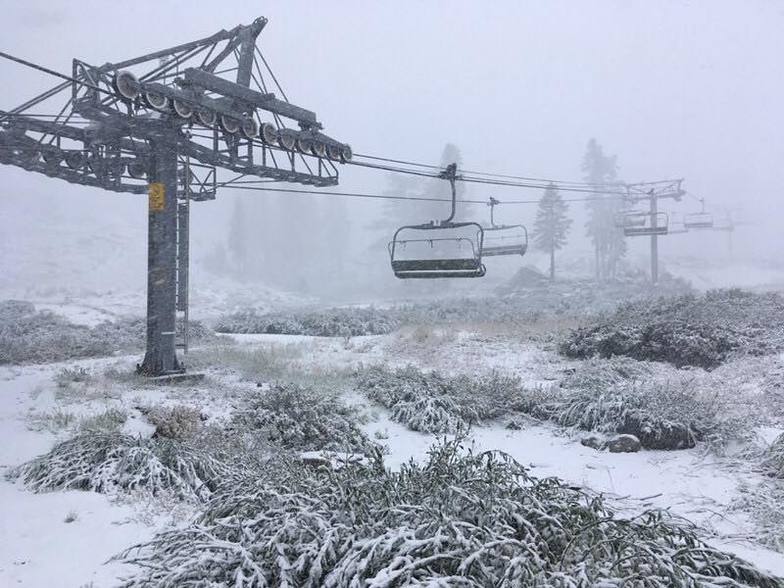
<point>551,225</point>
<point>609,243</point>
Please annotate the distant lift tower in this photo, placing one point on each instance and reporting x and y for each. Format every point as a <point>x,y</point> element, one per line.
<point>176,124</point>
<point>652,223</point>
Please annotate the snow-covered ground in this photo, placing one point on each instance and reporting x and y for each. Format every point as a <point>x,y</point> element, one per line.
<point>68,538</point>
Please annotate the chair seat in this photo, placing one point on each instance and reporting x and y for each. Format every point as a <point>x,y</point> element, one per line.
<point>425,265</point>
<point>634,232</point>
<point>504,250</point>
<point>477,273</point>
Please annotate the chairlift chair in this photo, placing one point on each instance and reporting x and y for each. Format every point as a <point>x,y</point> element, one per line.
<point>676,225</point>
<point>641,224</point>
<point>624,220</point>
<point>698,220</point>
<point>438,249</point>
<point>503,239</point>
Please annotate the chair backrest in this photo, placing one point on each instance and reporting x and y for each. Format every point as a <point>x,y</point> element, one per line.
<point>698,220</point>
<point>642,224</point>
<point>446,250</point>
<point>505,240</point>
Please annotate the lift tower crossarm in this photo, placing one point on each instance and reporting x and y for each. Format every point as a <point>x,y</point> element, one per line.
<point>165,123</point>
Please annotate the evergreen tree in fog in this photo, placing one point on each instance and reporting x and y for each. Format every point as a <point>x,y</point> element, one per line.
<point>551,224</point>
<point>608,241</point>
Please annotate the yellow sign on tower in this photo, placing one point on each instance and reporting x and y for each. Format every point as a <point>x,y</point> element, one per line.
<point>157,197</point>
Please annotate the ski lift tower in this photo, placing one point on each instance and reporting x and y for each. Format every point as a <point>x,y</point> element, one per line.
<point>653,192</point>
<point>177,125</point>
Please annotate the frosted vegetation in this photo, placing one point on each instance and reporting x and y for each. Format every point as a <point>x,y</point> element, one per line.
<point>268,517</point>
<point>665,411</point>
<point>526,299</point>
<point>459,519</point>
<point>305,418</point>
<point>702,331</point>
<point>28,335</point>
<point>113,462</point>
<point>431,402</point>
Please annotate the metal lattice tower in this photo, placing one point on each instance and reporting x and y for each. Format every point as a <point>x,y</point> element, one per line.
<point>653,192</point>
<point>176,124</point>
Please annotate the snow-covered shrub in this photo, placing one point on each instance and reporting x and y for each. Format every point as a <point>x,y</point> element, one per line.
<point>27,336</point>
<point>521,304</point>
<point>460,519</point>
<point>109,421</point>
<point>764,503</point>
<point>434,403</point>
<point>685,331</point>
<point>76,375</point>
<point>179,422</point>
<point>625,396</point>
<point>11,310</point>
<point>330,322</point>
<point>260,364</point>
<point>774,458</point>
<point>55,420</point>
<point>109,462</point>
<point>42,337</point>
<point>303,418</point>
<point>621,409</point>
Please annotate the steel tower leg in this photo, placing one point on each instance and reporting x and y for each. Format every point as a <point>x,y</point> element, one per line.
<point>654,241</point>
<point>161,356</point>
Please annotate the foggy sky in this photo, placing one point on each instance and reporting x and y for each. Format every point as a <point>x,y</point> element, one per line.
<point>675,89</point>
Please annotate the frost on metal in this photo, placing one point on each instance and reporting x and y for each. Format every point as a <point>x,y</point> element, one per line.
<point>459,519</point>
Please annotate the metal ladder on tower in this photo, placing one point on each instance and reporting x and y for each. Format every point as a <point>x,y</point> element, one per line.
<point>182,261</point>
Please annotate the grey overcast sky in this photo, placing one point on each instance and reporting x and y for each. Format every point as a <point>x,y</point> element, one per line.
<point>689,89</point>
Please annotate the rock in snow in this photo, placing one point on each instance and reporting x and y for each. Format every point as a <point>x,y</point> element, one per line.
<point>593,441</point>
<point>624,444</point>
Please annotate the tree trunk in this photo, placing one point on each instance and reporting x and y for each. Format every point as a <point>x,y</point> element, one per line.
<point>552,263</point>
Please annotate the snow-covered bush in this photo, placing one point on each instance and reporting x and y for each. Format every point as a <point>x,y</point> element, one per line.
<point>764,504</point>
<point>75,375</point>
<point>685,331</point>
<point>460,519</point>
<point>303,418</point>
<point>773,461</point>
<point>179,422</point>
<point>30,336</point>
<point>260,364</point>
<point>624,396</point>
<point>434,403</point>
<point>11,310</point>
<point>109,421</point>
<point>519,305</point>
<point>331,322</point>
<point>110,462</point>
<point>42,337</point>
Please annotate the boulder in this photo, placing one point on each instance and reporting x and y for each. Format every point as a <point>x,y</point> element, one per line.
<point>662,435</point>
<point>593,441</point>
<point>624,444</point>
